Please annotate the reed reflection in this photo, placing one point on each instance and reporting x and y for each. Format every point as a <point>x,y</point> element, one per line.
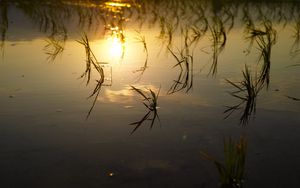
<point>141,39</point>
<point>265,39</point>
<point>189,20</point>
<point>3,23</point>
<point>150,101</point>
<point>93,64</point>
<point>247,92</point>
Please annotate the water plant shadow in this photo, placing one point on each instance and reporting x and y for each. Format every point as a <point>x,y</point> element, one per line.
<point>150,101</point>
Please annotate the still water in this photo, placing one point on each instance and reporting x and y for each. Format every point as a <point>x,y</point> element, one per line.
<point>149,93</point>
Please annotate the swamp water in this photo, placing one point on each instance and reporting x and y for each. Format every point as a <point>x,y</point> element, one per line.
<point>149,93</point>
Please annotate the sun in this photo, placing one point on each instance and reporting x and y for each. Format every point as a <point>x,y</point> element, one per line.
<point>116,47</point>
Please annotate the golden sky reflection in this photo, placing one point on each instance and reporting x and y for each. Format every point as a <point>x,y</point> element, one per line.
<point>120,50</point>
<point>124,95</point>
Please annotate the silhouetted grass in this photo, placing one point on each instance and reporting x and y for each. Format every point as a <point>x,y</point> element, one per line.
<point>295,47</point>
<point>150,101</point>
<point>3,23</point>
<point>91,62</point>
<point>141,39</point>
<point>232,170</point>
<point>53,48</point>
<point>247,92</point>
<point>185,62</point>
<point>219,39</point>
<point>265,39</point>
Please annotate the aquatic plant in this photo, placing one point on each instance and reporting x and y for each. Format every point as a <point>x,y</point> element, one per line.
<point>232,170</point>
<point>247,92</point>
<point>150,101</point>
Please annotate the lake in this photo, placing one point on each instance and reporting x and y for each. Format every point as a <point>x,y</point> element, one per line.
<point>147,93</point>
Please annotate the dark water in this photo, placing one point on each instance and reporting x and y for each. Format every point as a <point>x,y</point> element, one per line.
<point>74,76</point>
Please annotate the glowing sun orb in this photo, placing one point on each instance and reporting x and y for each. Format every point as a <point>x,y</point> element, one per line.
<point>116,48</point>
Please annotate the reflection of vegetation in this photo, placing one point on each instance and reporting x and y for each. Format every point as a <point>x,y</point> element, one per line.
<point>50,16</point>
<point>140,38</point>
<point>185,78</point>
<point>91,62</point>
<point>195,19</point>
<point>54,47</point>
<point>232,171</point>
<point>167,30</point>
<point>3,23</point>
<point>295,47</point>
<point>150,100</point>
<point>218,43</point>
<point>247,92</point>
<point>265,39</point>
